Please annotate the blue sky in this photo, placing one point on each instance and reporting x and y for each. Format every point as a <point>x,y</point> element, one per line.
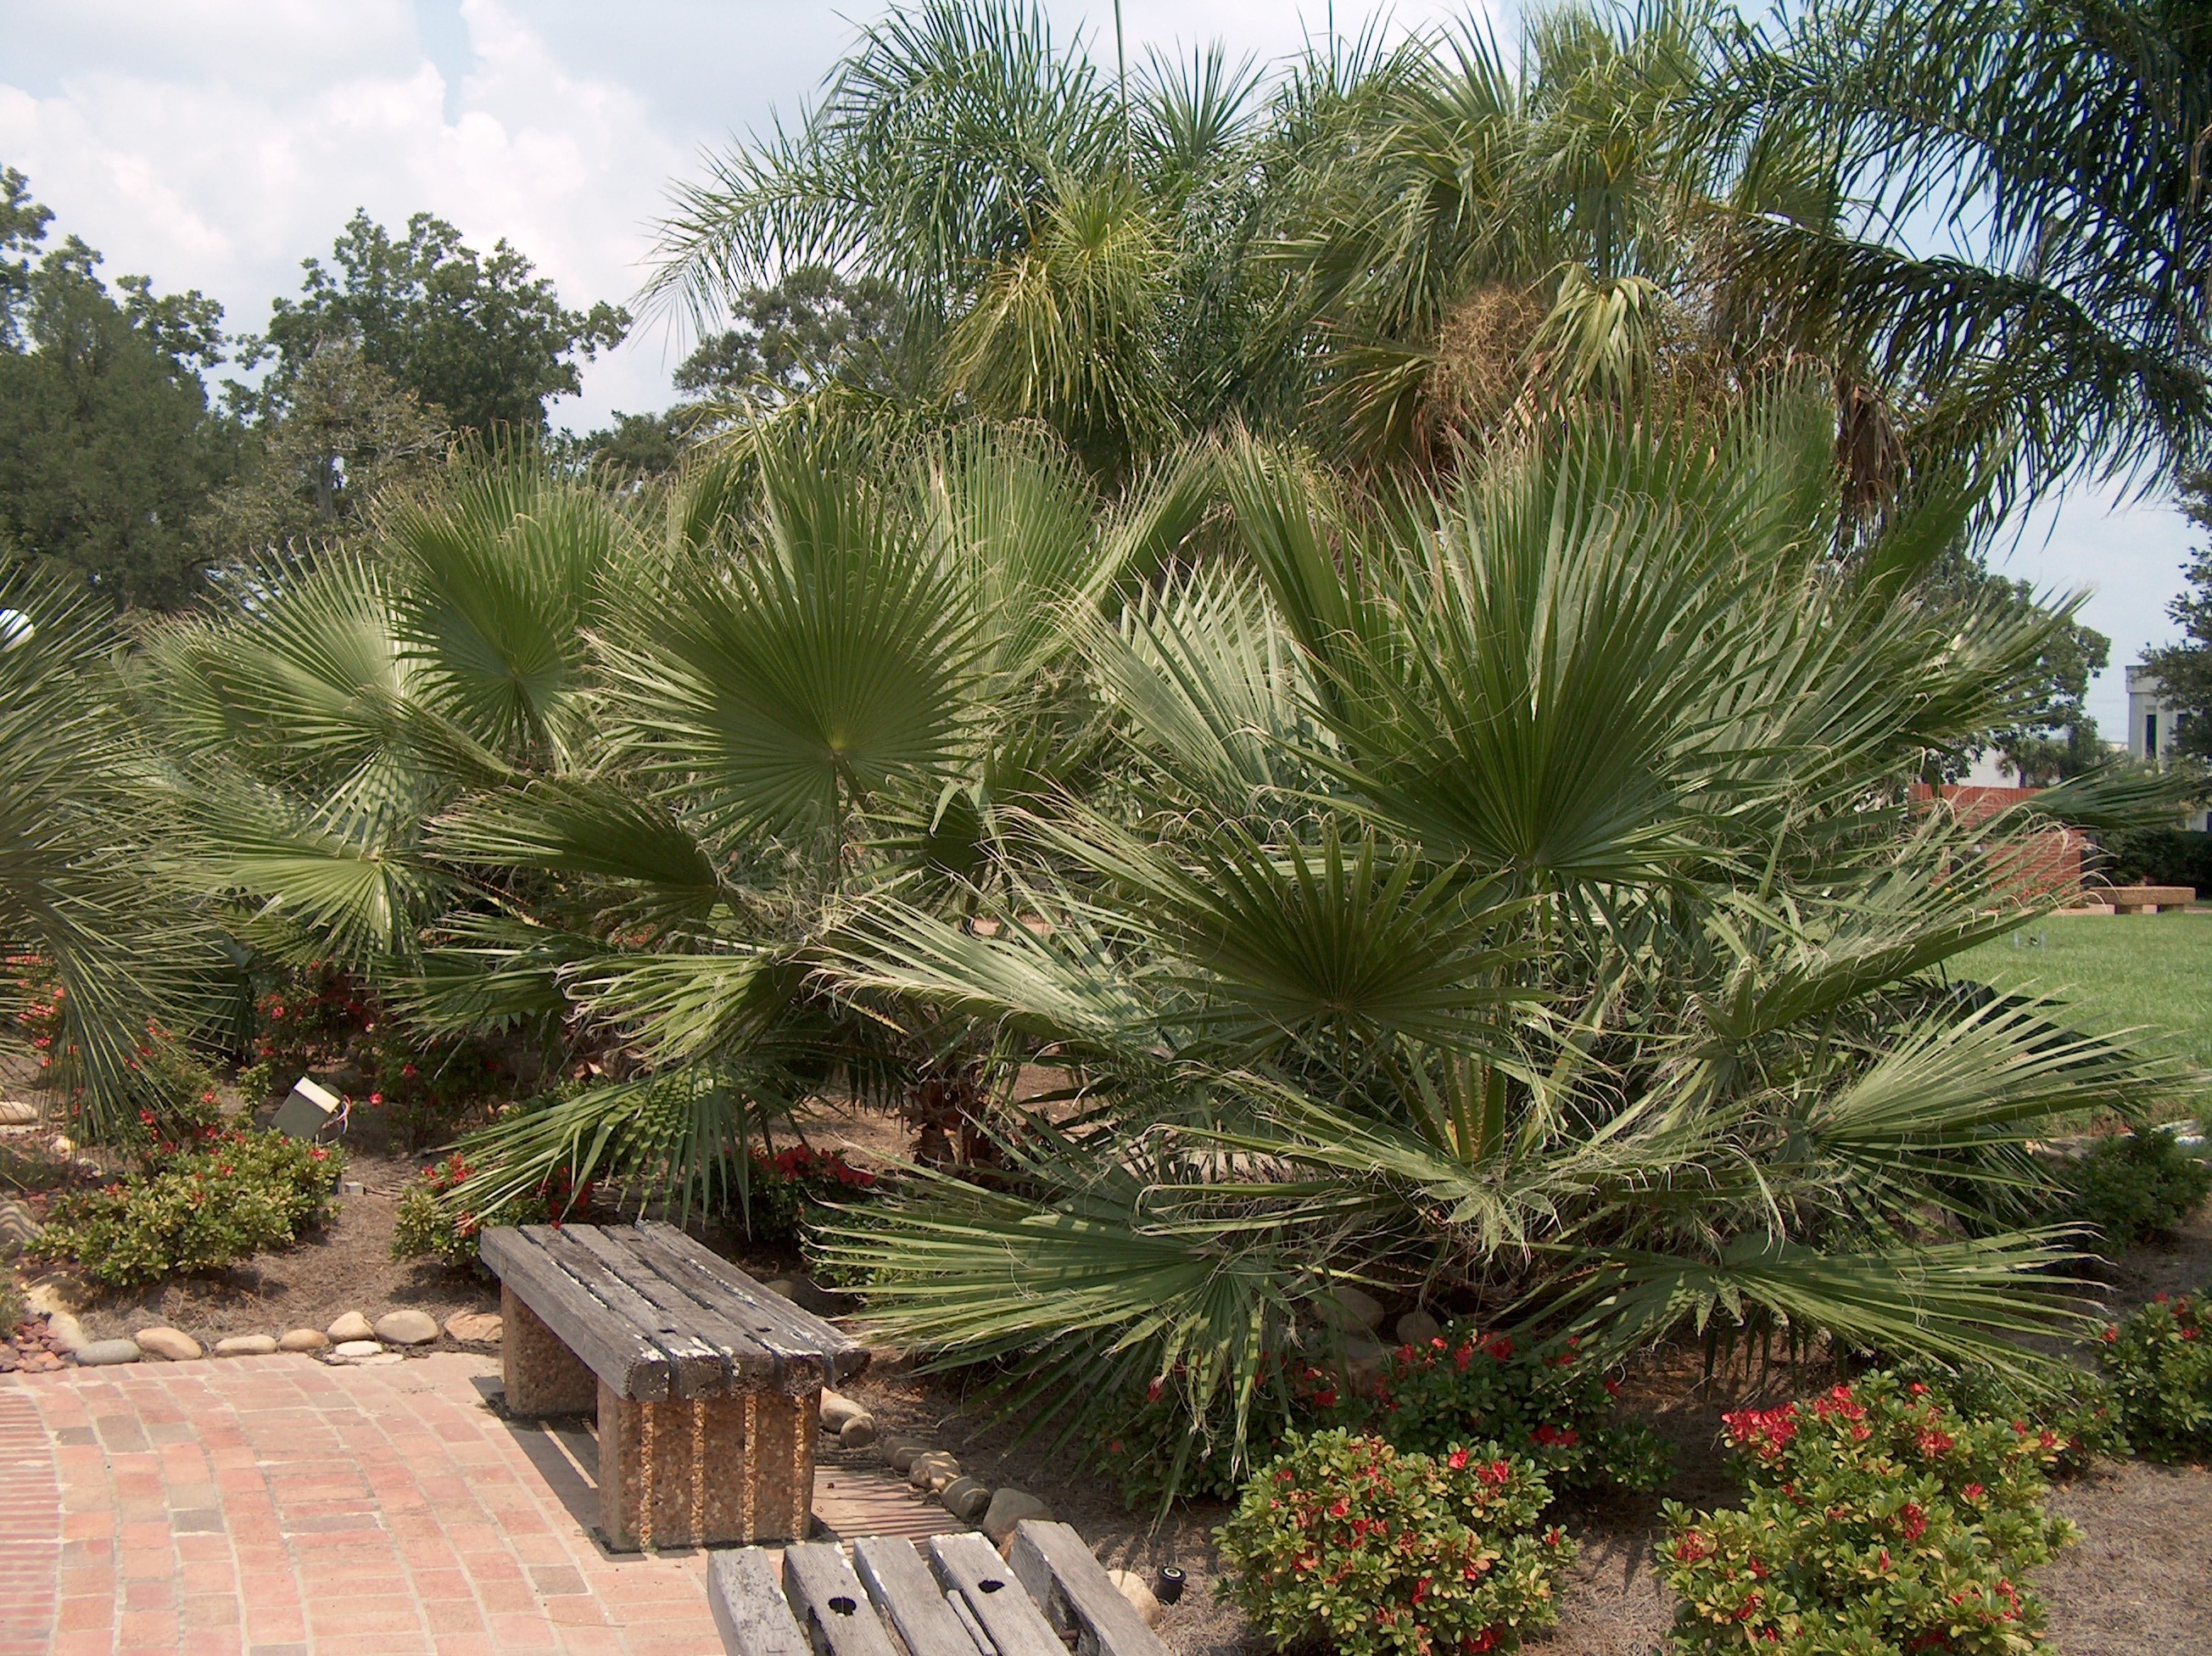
<point>214,143</point>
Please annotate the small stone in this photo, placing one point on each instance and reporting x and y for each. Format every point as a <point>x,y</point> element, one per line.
<point>173,1343</point>
<point>858,1432</point>
<point>304,1339</point>
<point>351,1326</point>
<point>247,1345</point>
<point>64,1332</point>
<point>903,1456</point>
<point>924,1470</point>
<point>381,1360</point>
<point>99,1353</point>
<point>348,1351</point>
<point>1344,1307</point>
<point>1134,1588</point>
<point>407,1327</point>
<point>965,1499</point>
<point>837,1409</point>
<point>475,1327</point>
<point>62,1146</point>
<point>15,1112</point>
<point>1418,1328</point>
<point>1009,1508</point>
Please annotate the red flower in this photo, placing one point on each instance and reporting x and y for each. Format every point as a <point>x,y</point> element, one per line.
<point>1692,1548</point>
<point>1911,1522</point>
<point>1972,1492</point>
<point>1463,1356</point>
<point>1458,1460</point>
<point>1498,1347</point>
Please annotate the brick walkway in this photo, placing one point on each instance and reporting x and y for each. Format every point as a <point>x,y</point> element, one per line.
<point>275,1507</point>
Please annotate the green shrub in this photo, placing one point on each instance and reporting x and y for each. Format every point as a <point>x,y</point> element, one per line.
<point>2160,1368</point>
<point>436,1220</point>
<point>1877,1521</point>
<point>2081,1408</point>
<point>1348,1540</point>
<point>1549,1403</point>
<point>198,1206</point>
<point>1151,1447</point>
<point>2136,1188</point>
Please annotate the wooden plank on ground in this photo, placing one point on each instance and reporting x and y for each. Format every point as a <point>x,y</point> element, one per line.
<point>750,1612</point>
<point>1057,1570</point>
<point>796,1335</point>
<point>605,1342</point>
<point>970,1566</point>
<point>686,1331</point>
<point>901,1587</point>
<point>830,1603</point>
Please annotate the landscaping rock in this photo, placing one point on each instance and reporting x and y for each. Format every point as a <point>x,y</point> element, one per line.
<point>304,1339</point>
<point>351,1326</point>
<point>475,1327</point>
<point>1009,1508</point>
<point>933,1470</point>
<point>99,1353</point>
<point>406,1328</point>
<point>173,1344</point>
<point>348,1351</point>
<point>965,1499</point>
<point>14,1112</point>
<point>17,1226</point>
<point>247,1345</point>
<point>1418,1328</point>
<point>806,1295</point>
<point>382,1359</point>
<point>62,1146</point>
<point>1344,1307</point>
<point>65,1333</point>
<point>1134,1588</point>
<point>903,1457</point>
<point>838,1408</point>
<point>858,1432</point>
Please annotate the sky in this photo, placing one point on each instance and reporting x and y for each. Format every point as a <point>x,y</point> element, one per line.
<point>216,143</point>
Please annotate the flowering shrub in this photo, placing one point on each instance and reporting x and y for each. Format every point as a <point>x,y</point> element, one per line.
<point>2081,1408</point>
<point>1345,1539</point>
<point>1877,1521</point>
<point>1550,1403</point>
<point>782,1189</point>
<point>195,1207</point>
<point>2161,1366</point>
<point>2136,1188</point>
<point>178,1089</point>
<point>319,1020</point>
<point>436,1220</point>
<point>1150,1446</point>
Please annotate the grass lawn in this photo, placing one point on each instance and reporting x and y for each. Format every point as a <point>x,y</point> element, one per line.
<point>2151,971</point>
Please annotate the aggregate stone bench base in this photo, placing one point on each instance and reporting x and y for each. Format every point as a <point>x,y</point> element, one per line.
<point>706,1385</point>
<point>1047,1597</point>
<point>2134,899</point>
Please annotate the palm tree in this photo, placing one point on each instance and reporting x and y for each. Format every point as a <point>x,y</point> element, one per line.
<point>1507,895</point>
<point>82,824</point>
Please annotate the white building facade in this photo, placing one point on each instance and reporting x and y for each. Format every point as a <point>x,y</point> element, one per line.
<point>2152,726</point>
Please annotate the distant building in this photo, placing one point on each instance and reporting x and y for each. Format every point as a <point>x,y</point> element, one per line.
<point>2152,725</point>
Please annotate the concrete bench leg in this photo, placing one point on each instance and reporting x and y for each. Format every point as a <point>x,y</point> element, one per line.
<point>706,1471</point>
<point>542,1376</point>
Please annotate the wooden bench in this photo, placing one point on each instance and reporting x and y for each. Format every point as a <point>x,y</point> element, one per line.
<point>2134,899</point>
<point>706,1383</point>
<point>1047,1596</point>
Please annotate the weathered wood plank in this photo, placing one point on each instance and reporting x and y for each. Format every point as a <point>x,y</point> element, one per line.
<point>968,1565</point>
<point>830,1603</point>
<point>797,1330</point>
<point>694,1367</point>
<point>793,1366</point>
<point>716,1314</point>
<point>901,1587</point>
<point>1069,1585</point>
<point>608,1344</point>
<point>680,1326</point>
<point>750,1612</point>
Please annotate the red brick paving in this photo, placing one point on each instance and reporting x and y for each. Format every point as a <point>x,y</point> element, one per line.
<point>276,1506</point>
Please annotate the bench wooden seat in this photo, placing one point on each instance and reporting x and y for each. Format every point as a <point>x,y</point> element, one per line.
<point>1047,1598</point>
<point>2134,899</point>
<point>705,1384</point>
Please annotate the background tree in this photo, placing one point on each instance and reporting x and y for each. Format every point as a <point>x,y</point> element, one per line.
<point>107,442</point>
<point>2185,670</point>
<point>482,340</point>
